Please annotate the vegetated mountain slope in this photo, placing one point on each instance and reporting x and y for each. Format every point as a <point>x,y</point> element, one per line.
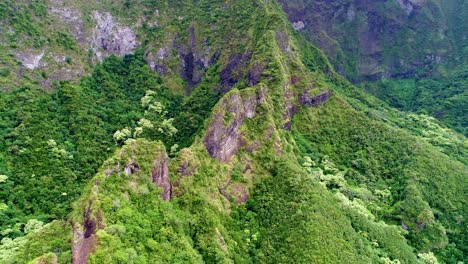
<point>394,40</point>
<point>443,98</point>
<point>368,40</point>
<point>55,140</point>
<point>284,161</point>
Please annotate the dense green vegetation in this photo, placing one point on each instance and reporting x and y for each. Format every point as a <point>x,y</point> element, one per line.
<point>393,39</point>
<point>413,57</point>
<point>443,98</point>
<point>349,179</point>
<point>71,129</point>
<point>396,186</point>
<point>55,141</point>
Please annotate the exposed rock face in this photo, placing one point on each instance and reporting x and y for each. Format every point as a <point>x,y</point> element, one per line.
<point>406,5</point>
<point>222,140</point>
<point>84,238</point>
<point>307,100</point>
<point>185,165</point>
<point>156,62</point>
<point>282,39</point>
<point>131,168</point>
<point>190,63</point>
<point>240,193</point>
<point>30,60</point>
<point>193,51</point>
<point>111,37</point>
<point>157,59</point>
<point>410,5</point>
<point>234,192</point>
<point>70,17</point>
<point>231,74</point>
<point>255,73</point>
<point>298,25</point>
<point>290,102</point>
<point>160,174</point>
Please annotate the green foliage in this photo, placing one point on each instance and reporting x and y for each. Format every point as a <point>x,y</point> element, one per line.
<point>375,185</point>
<point>66,40</point>
<point>406,40</point>
<point>139,226</point>
<point>54,142</point>
<point>196,108</point>
<point>153,125</point>
<point>292,213</point>
<point>46,239</point>
<point>445,98</point>
<point>379,158</point>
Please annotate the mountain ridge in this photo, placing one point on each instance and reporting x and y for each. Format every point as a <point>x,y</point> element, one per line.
<point>273,144</point>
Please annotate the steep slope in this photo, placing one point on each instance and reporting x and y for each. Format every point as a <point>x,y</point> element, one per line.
<point>443,98</point>
<point>367,40</point>
<point>393,47</point>
<point>72,125</point>
<point>281,160</point>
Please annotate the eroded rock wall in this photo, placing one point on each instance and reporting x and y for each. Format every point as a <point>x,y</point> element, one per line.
<point>160,174</point>
<point>223,138</point>
<point>110,37</point>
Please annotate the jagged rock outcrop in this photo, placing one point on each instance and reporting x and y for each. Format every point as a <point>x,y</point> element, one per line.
<point>223,138</point>
<point>234,192</point>
<point>156,60</point>
<point>307,100</point>
<point>131,168</point>
<point>194,54</point>
<point>292,101</point>
<point>298,25</point>
<point>410,5</point>
<point>84,238</point>
<point>71,18</point>
<point>185,165</point>
<point>255,73</point>
<point>233,71</point>
<point>30,59</point>
<point>160,174</point>
<point>110,37</point>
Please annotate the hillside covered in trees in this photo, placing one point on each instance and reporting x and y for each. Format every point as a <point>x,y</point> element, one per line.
<point>219,132</point>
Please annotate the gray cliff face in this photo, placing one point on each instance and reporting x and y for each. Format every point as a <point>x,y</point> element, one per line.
<point>107,37</point>
<point>160,174</point>
<point>224,139</point>
<point>30,59</point>
<point>71,18</point>
<point>65,55</point>
<point>110,37</point>
<point>410,5</point>
<point>307,100</point>
<point>192,52</point>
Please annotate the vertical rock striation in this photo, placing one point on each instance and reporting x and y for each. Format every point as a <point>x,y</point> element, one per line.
<point>160,174</point>
<point>224,139</point>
